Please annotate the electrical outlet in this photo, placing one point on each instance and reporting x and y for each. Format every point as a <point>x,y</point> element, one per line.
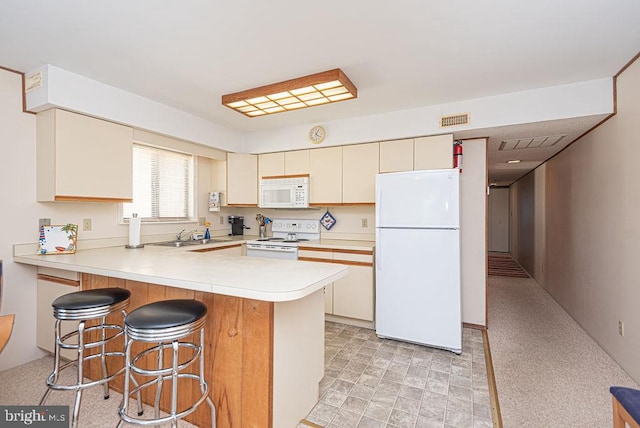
<point>201,221</point>
<point>363,222</point>
<point>621,328</point>
<point>44,222</point>
<point>86,225</point>
<point>221,219</point>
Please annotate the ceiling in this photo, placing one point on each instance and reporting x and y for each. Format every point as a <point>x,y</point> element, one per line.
<point>400,55</point>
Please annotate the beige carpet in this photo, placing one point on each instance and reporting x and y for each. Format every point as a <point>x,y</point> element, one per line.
<point>25,384</point>
<point>549,372</point>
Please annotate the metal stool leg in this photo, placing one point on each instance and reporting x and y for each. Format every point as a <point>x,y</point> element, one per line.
<point>103,358</point>
<point>56,361</point>
<point>156,404</point>
<point>203,384</point>
<point>76,405</point>
<point>174,384</point>
<point>128,378</point>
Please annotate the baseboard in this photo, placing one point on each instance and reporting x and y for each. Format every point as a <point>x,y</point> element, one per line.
<point>474,326</point>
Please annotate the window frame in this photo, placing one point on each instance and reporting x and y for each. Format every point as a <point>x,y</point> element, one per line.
<point>193,192</point>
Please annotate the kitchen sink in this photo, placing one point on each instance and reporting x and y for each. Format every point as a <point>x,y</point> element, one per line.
<point>177,244</point>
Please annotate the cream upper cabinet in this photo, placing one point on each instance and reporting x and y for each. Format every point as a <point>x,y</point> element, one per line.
<point>80,158</point>
<point>325,176</point>
<point>296,162</point>
<point>434,152</point>
<point>360,164</point>
<point>396,155</point>
<point>270,164</point>
<point>219,179</point>
<point>242,179</point>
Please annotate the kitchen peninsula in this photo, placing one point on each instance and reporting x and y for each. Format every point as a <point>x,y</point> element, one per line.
<point>265,333</point>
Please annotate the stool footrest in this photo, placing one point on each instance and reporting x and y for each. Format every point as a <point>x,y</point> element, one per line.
<point>90,345</point>
<point>75,387</point>
<point>164,370</point>
<point>168,418</point>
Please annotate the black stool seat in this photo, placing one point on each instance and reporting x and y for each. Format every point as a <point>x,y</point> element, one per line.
<point>91,298</point>
<point>166,314</point>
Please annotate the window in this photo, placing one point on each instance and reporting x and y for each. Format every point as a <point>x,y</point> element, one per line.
<point>162,185</point>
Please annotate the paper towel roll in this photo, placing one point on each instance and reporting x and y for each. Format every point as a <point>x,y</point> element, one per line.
<point>134,230</point>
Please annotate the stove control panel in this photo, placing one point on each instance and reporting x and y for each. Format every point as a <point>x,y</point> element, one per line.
<point>295,226</point>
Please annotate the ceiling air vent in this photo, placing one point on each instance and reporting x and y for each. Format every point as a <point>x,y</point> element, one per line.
<point>454,120</point>
<point>531,143</point>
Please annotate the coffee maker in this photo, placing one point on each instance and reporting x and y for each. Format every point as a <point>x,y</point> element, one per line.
<point>237,224</point>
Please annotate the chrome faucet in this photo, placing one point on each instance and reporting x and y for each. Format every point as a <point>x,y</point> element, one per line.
<point>179,235</point>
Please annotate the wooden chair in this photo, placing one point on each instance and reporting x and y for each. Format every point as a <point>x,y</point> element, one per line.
<point>6,325</point>
<point>626,407</point>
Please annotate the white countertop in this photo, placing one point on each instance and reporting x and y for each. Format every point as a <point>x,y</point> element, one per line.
<point>247,277</point>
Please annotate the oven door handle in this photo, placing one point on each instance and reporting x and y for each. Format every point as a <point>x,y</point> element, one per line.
<point>277,249</point>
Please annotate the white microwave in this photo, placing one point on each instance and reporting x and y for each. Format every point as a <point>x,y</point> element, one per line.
<point>284,192</point>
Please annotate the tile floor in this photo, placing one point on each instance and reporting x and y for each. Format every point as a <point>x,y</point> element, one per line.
<point>372,382</point>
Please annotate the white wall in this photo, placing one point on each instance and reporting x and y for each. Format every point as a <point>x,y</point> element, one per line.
<point>20,213</point>
<point>537,105</point>
<point>77,93</point>
<point>590,196</point>
<point>18,217</point>
<point>473,232</point>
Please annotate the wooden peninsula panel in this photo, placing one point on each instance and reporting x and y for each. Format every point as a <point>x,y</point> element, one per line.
<point>238,354</point>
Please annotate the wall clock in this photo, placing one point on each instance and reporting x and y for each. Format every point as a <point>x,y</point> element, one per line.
<point>317,134</point>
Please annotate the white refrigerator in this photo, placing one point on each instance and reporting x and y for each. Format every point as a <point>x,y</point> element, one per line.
<point>418,258</point>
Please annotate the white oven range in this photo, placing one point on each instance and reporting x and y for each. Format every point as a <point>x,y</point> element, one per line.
<point>287,234</point>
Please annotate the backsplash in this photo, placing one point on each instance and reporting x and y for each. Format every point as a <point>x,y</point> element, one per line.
<point>349,220</point>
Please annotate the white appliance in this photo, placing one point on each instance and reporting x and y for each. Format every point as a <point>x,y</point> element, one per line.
<point>418,258</point>
<point>287,233</point>
<point>284,192</point>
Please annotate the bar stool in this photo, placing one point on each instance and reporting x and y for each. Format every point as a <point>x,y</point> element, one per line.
<point>85,306</point>
<point>165,323</point>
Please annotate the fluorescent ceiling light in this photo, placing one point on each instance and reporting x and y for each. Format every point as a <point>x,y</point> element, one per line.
<point>315,89</point>
<point>514,161</point>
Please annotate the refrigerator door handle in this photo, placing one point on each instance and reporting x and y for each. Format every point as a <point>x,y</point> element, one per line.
<point>379,251</point>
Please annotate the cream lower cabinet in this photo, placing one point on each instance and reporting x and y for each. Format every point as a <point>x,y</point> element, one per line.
<point>325,255</point>
<point>242,179</point>
<point>53,283</point>
<point>80,158</point>
<point>353,295</point>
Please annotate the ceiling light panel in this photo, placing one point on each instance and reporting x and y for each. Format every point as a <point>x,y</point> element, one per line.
<point>321,88</point>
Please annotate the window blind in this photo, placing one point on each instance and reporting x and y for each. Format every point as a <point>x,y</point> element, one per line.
<point>162,185</point>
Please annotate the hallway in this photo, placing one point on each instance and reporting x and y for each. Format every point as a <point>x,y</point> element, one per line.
<point>549,372</point>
